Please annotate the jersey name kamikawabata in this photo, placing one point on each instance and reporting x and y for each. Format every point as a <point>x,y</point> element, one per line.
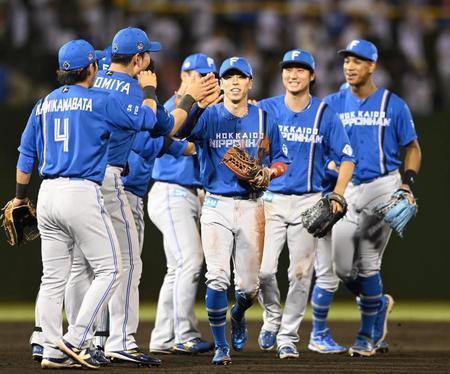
<point>64,105</point>
<point>112,84</point>
<point>229,139</point>
<point>364,118</point>
<point>300,134</point>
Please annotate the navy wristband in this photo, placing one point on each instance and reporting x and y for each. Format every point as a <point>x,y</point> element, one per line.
<point>149,92</point>
<point>409,178</point>
<point>21,191</point>
<point>186,103</point>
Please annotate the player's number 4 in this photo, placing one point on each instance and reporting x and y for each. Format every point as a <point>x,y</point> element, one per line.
<point>64,136</point>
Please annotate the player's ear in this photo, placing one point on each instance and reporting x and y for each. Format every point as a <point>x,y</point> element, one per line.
<point>312,77</point>
<point>372,67</point>
<point>184,75</point>
<point>250,84</point>
<point>221,83</point>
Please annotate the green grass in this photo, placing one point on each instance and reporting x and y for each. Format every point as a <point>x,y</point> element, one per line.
<point>340,311</point>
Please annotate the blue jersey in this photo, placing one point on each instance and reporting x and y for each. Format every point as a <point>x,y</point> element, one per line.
<point>136,116</point>
<point>183,170</point>
<point>217,130</point>
<point>68,133</point>
<point>142,158</point>
<point>140,162</point>
<point>311,136</point>
<point>377,127</point>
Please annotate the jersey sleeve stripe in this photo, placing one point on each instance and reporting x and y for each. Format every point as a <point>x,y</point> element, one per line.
<point>315,130</point>
<point>381,130</point>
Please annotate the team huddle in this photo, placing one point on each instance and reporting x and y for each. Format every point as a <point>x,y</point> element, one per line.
<point>101,137</point>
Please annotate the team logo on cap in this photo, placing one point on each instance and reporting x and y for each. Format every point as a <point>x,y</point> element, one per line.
<point>90,56</point>
<point>353,44</point>
<point>233,60</point>
<point>140,46</point>
<point>115,47</point>
<point>295,54</point>
<point>66,65</point>
<point>210,61</point>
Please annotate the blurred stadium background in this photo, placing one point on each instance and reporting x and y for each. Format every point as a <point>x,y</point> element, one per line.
<point>413,38</point>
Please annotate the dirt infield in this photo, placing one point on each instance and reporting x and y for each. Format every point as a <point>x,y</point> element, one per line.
<point>415,348</point>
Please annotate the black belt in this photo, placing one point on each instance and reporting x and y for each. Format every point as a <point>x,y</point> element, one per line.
<point>250,196</point>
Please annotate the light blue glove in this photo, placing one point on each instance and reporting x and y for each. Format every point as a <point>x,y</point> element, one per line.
<point>398,211</point>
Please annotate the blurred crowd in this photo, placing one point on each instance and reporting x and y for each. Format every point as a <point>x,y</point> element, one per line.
<point>413,38</point>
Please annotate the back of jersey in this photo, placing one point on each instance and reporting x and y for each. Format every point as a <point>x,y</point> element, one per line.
<point>75,132</point>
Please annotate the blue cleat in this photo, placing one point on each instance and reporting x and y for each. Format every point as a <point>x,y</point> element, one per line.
<point>134,355</point>
<point>380,327</point>
<point>59,363</point>
<point>238,333</point>
<point>221,356</point>
<point>382,347</point>
<point>267,340</point>
<point>99,355</point>
<point>324,343</point>
<point>363,346</point>
<point>37,351</point>
<point>193,346</point>
<point>83,356</point>
<point>287,351</point>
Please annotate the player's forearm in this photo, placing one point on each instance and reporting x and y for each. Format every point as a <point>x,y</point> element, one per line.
<point>413,159</point>
<point>147,81</point>
<point>22,182</point>
<point>180,114</point>
<point>413,156</point>
<point>345,175</point>
<point>190,149</point>
<point>22,178</point>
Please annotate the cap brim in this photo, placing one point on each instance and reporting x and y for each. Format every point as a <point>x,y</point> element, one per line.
<point>346,52</point>
<point>155,47</point>
<point>234,68</point>
<point>205,70</point>
<point>99,54</point>
<point>283,64</point>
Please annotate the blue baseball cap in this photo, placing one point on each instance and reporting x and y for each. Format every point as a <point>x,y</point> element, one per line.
<point>105,62</point>
<point>361,48</point>
<point>236,63</point>
<point>199,62</point>
<point>77,54</point>
<point>299,56</point>
<point>132,40</point>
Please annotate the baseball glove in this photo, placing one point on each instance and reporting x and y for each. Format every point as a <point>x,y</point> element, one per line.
<point>319,219</point>
<point>398,210</point>
<point>19,222</point>
<point>246,168</point>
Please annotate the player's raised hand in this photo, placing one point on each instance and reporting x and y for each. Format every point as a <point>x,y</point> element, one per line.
<point>202,87</point>
<point>211,99</point>
<point>147,78</point>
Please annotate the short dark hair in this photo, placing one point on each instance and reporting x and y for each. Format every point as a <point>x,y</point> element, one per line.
<point>123,59</point>
<point>67,77</point>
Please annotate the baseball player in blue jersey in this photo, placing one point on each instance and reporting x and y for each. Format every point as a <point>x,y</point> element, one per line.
<point>232,220</point>
<point>379,124</point>
<point>131,50</point>
<point>312,131</point>
<point>54,135</point>
<point>145,150</point>
<point>174,207</point>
